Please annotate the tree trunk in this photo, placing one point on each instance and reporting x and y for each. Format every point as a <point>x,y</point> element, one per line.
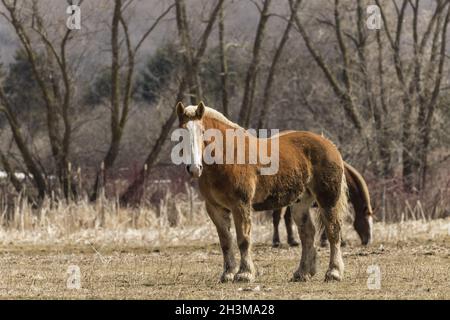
<point>223,63</point>
<point>116,129</point>
<point>135,190</point>
<point>262,122</point>
<point>250,80</point>
<point>27,156</point>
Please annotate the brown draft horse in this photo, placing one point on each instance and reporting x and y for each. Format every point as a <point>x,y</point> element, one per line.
<point>360,199</point>
<point>310,168</point>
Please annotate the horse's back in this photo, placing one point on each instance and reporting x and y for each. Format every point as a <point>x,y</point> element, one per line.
<point>312,144</point>
<point>306,161</point>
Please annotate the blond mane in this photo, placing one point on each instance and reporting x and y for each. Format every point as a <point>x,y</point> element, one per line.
<point>212,114</point>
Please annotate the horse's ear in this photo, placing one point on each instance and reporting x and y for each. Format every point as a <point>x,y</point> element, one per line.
<point>200,111</point>
<point>180,109</point>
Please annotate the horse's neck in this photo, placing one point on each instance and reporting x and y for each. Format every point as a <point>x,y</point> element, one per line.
<point>241,138</point>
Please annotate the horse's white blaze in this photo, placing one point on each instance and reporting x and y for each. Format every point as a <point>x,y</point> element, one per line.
<point>195,142</point>
<point>370,229</point>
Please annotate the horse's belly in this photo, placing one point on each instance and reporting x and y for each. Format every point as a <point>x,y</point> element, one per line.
<point>277,200</point>
<point>274,192</point>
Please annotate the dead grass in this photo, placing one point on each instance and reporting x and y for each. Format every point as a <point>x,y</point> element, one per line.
<point>409,270</point>
<point>174,222</point>
<point>140,254</point>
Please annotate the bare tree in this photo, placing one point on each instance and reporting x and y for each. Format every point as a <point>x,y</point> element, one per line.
<point>11,175</point>
<point>223,63</point>
<point>189,79</point>
<point>250,80</point>
<point>262,122</point>
<point>432,93</point>
<point>421,88</point>
<point>344,93</point>
<point>120,102</point>
<point>56,94</point>
<point>26,154</point>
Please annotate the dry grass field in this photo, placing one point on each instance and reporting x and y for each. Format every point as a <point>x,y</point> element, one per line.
<point>156,261</point>
<point>410,270</point>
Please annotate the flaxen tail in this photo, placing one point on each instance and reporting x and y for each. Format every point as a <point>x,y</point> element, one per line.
<point>341,209</point>
<point>342,203</point>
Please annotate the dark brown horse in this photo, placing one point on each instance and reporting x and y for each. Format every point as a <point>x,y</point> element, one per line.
<point>309,169</point>
<point>360,199</point>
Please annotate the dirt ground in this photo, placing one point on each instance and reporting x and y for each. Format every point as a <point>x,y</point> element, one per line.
<point>409,270</point>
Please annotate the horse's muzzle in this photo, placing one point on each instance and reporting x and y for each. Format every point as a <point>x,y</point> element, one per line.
<point>195,170</point>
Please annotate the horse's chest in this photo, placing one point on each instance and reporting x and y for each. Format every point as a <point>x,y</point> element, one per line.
<point>223,189</point>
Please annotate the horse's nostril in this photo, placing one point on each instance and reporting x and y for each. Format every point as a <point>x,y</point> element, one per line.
<point>188,169</point>
<point>200,167</point>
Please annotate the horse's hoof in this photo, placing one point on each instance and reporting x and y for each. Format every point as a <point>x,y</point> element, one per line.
<point>244,277</point>
<point>343,243</point>
<point>332,275</point>
<point>300,277</point>
<point>293,243</point>
<point>276,244</point>
<point>227,277</point>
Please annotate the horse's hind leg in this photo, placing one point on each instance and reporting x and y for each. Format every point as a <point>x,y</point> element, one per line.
<point>324,239</point>
<point>243,224</point>
<point>289,228</point>
<point>276,217</point>
<point>330,218</point>
<point>333,206</point>
<point>222,220</point>
<point>308,261</point>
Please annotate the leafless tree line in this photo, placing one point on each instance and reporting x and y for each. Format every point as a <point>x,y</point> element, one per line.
<point>384,82</point>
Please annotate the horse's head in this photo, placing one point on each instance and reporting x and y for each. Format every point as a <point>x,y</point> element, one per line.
<point>364,226</point>
<point>190,118</point>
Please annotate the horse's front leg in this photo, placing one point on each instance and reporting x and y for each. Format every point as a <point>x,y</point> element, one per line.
<point>243,224</point>
<point>222,220</point>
